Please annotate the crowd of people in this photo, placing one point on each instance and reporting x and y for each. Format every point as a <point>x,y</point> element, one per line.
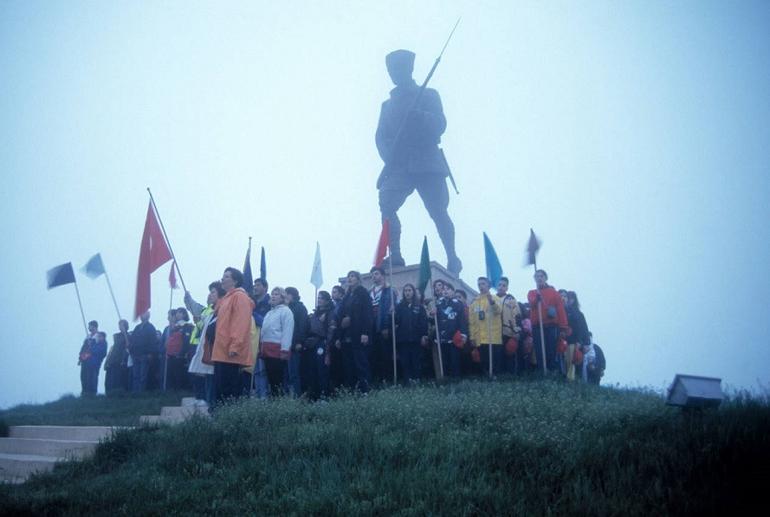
<point>266,343</point>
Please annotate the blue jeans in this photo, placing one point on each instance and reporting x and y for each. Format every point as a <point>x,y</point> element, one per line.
<point>139,373</point>
<point>292,381</point>
<point>261,388</point>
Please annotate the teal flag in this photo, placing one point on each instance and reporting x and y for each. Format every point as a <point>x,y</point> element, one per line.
<point>494,269</point>
<point>94,267</point>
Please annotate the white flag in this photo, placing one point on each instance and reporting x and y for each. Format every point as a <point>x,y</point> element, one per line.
<point>317,277</point>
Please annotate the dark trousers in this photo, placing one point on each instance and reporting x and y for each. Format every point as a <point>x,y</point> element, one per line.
<point>176,373</point>
<point>336,370</point>
<point>275,369</point>
<point>227,381</point>
<point>115,378</point>
<point>411,360</point>
<point>498,359</point>
<point>551,335</point>
<point>434,193</point>
<point>355,360</point>
<point>450,357</point>
<point>89,378</point>
<point>202,386</point>
<point>381,358</point>
<point>314,373</point>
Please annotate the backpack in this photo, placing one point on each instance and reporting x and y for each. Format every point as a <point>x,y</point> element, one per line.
<point>601,362</point>
<point>174,343</point>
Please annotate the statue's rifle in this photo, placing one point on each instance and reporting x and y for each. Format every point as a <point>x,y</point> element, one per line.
<point>415,103</point>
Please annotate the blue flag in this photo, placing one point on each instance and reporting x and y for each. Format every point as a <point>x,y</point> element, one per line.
<point>494,269</point>
<point>248,281</point>
<point>262,266</point>
<point>94,267</point>
<point>60,275</point>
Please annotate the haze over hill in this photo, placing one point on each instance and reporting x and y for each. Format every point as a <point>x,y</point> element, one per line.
<point>633,137</point>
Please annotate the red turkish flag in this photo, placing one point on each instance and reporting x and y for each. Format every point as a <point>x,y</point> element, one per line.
<point>382,244</point>
<point>153,253</point>
<point>172,277</point>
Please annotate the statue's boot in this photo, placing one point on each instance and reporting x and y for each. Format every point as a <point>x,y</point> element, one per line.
<point>454,265</point>
<point>396,259</point>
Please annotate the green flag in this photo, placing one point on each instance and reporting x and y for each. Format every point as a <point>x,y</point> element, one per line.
<point>424,277</point>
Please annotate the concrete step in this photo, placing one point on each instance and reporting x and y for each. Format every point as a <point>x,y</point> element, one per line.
<point>161,420</point>
<point>60,432</point>
<point>41,447</point>
<point>188,401</point>
<point>16,468</point>
<point>183,411</point>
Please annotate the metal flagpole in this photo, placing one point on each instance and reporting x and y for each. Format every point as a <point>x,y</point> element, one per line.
<point>80,304</point>
<point>438,335</point>
<point>392,318</point>
<point>489,336</point>
<point>109,286</point>
<point>540,319</point>
<point>165,236</point>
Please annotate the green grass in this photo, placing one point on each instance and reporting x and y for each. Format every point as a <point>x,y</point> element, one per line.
<point>473,448</point>
<point>121,409</point>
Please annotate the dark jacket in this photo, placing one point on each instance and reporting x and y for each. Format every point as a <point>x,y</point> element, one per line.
<point>118,354</point>
<point>144,340</point>
<point>357,305</point>
<point>320,330</point>
<point>417,151</point>
<point>299,311</point>
<point>577,322</point>
<point>411,322</point>
<point>451,318</point>
<point>382,310</point>
<point>261,307</point>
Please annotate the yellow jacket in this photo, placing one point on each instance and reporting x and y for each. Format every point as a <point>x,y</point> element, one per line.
<point>490,329</point>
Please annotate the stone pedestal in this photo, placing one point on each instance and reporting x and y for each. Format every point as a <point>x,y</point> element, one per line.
<point>411,274</point>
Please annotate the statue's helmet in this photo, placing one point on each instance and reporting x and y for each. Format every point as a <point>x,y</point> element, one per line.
<point>400,65</point>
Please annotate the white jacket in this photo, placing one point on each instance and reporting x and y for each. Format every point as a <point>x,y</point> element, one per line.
<point>278,327</point>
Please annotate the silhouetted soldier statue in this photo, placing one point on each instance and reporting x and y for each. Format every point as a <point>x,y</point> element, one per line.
<point>407,138</point>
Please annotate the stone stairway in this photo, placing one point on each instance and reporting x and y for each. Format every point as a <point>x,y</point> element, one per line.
<point>36,448</point>
<point>175,414</point>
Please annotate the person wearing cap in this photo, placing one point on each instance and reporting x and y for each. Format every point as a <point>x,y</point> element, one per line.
<point>413,161</point>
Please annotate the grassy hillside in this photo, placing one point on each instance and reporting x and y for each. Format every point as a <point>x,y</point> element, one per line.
<point>121,409</point>
<point>474,448</point>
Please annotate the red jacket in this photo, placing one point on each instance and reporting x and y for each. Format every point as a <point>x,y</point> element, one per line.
<point>551,300</point>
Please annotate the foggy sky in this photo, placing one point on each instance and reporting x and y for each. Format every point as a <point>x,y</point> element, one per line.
<point>632,136</point>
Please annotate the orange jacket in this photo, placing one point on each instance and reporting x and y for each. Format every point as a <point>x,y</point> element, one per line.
<point>551,300</point>
<point>233,332</point>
